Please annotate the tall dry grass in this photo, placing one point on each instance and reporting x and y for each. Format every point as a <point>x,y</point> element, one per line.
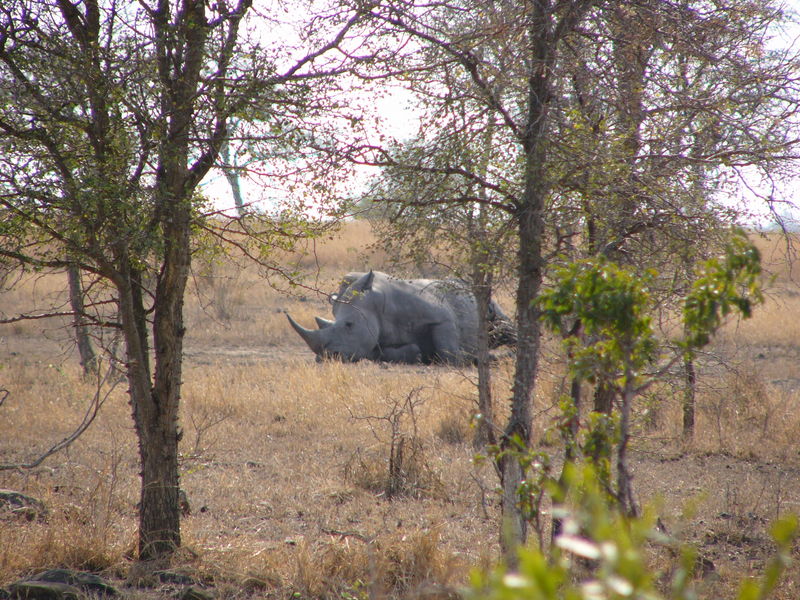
<point>288,464</point>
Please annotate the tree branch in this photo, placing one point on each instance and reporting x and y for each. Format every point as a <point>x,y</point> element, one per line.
<point>88,418</point>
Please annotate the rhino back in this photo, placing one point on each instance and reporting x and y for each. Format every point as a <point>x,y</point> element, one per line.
<point>408,306</point>
<point>430,319</point>
<point>439,302</point>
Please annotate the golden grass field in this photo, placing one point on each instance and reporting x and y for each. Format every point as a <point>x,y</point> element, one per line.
<point>285,460</point>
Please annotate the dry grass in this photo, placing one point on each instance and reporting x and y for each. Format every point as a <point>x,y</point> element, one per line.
<point>288,464</point>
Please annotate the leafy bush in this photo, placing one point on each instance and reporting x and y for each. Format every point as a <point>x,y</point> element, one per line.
<point>602,554</point>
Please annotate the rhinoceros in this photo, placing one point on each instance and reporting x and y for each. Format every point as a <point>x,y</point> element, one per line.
<point>382,318</point>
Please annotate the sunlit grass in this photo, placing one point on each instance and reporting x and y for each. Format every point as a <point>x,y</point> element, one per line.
<point>285,460</point>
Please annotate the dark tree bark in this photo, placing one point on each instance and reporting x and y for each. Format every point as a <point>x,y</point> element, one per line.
<point>156,414</point>
<point>603,399</point>
<point>86,352</point>
<point>625,495</point>
<point>482,286</point>
<point>530,230</point>
<point>548,23</point>
<point>570,433</point>
<point>689,386</point>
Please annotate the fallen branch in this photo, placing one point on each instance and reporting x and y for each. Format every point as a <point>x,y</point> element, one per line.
<point>94,408</point>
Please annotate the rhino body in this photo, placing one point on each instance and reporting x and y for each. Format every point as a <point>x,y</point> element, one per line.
<point>383,318</point>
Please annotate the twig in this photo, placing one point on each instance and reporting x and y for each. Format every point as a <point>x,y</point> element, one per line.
<point>346,534</point>
<point>88,419</point>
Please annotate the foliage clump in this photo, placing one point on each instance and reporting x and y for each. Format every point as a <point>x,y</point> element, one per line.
<point>603,554</point>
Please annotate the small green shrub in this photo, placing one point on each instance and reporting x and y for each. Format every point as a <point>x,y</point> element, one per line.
<point>602,554</point>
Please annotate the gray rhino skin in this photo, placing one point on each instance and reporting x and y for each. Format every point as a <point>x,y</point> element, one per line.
<point>383,318</point>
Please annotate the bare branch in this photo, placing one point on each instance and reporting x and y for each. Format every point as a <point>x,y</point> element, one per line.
<point>95,404</point>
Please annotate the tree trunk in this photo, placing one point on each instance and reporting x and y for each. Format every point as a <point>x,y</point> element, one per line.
<point>87,355</point>
<point>529,216</point>
<point>624,479</point>
<point>484,432</point>
<point>157,424</point>
<point>603,399</point>
<point>159,519</point>
<point>570,443</point>
<point>156,429</point>
<point>518,429</point>
<point>689,383</point>
<point>573,425</point>
<point>483,263</point>
<point>232,175</point>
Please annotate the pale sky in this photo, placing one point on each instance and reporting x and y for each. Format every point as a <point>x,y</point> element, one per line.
<point>399,120</point>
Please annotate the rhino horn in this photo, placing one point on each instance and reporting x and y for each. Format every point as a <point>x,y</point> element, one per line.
<point>312,337</point>
<point>323,323</point>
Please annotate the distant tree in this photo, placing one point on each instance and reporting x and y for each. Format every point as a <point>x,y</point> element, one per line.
<point>230,168</point>
<point>110,116</point>
<point>663,126</point>
<point>621,351</point>
<point>82,340</point>
<point>619,131</point>
<point>469,239</point>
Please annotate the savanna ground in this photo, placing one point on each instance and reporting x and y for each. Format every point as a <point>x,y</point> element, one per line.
<point>286,461</point>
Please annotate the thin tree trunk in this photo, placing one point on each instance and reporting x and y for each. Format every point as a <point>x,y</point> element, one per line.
<point>483,262</point>
<point>85,350</point>
<point>689,383</point>
<point>570,442</point>
<point>484,432</point>
<point>571,429</point>
<point>156,415</point>
<point>530,228</point>
<point>624,479</point>
<point>603,399</point>
<point>518,429</point>
<point>159,519</point>
<point>232,175</point>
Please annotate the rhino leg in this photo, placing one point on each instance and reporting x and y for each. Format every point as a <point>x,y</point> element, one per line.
<point>446,344</point>
<point>408,354</point>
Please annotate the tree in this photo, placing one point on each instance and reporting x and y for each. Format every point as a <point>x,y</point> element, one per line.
<point>663,125</point>
<point>620,351</point>
<point>532,34</point>
<point>230,168</point>
<point>110,116</point>
<point>470,240</point>
<point>82,339</point>
<point>622,129</point>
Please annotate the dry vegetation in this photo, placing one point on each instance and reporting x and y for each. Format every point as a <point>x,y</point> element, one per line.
<point>286,462</point>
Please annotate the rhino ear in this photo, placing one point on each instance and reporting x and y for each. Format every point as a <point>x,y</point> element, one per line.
<point>363,283</point>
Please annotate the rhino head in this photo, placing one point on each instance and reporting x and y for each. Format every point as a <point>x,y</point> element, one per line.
<point>354,334</point>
